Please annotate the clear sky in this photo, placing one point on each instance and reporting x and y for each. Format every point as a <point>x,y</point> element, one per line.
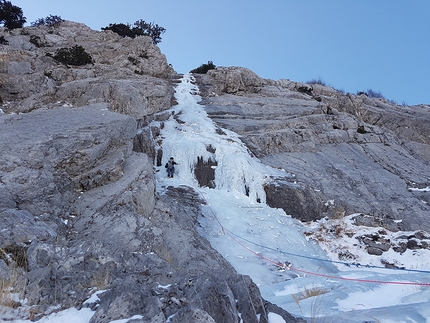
<point>383,45</point>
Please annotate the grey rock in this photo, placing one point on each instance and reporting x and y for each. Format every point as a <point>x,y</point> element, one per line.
<point>235,79</point>
<point>192,315</point>
<point>372,244</point>
<point>21,227</point>
<point>19,42</point>
<point>125,303</point>
<point>413,245</point>
<point>372,221</point>
<point>75,150</point>
<point>374,251</point>
<point>248,303</point>
<point>400,248</point>
<point>132,96</point>
<point>208,292</point>
<point>19,68</point>
<point>294,199</point>
<point>288,318</point>
<point>180,236</point>
<point>42,257</point>
<point>311,132</point>
<point>39,287</point>
<point>143,142</point>
<point>6,198</point>
<point>422,235</point>
<point>204,172</point>
<point>4,270</point>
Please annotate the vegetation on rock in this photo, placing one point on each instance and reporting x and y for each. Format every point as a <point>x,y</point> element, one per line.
<point>371,94</point>
<point>51,21</point>
<point>141,28</point>
<point>11,16</point>
<point>204,68</point>
<point>75,55</point>
<point>3,41</point>
<point>319,81</point>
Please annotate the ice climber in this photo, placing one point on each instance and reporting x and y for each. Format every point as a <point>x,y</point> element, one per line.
<point>170,167</point>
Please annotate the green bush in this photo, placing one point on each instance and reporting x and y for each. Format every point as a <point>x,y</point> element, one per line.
<point>141,28</point>
<point>123,30</point>
<point>305,89</point>
<point>319,81</point>
<point>361,130</point>
<point>204,68</point>
<point>371,94</point>
<point>75,55</point>
<point>133,60</point>
<point>11,16</point>
<point>3,41</point>
<point>51,21</point>
<point>36,41</point>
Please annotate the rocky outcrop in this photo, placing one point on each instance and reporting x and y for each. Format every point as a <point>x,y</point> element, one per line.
<point>235,80</point>
<point>347,153</point>
<point>132,75</point>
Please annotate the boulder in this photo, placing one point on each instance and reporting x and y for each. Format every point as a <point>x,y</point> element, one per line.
<point>375,251</point>
<point>299,202</point>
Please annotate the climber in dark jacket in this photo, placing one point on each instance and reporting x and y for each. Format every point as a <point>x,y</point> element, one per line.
<point>170,167</point>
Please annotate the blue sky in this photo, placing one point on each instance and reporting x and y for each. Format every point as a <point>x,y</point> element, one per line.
<point>383,45</point>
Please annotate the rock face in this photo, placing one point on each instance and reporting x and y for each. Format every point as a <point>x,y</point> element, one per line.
<point>130,74</point>
<point>346,153</point>
<point>79,211</point>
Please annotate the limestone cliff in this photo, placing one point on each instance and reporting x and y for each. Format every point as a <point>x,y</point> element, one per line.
<point>78,206</point>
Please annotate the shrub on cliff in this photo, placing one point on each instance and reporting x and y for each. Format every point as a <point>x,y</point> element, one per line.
<point>123,30</point>
<point>75,55</point>
<point>141,28</point>
<point>51,21</point>
<point>371,94</point>
<point>318,80</point>
<point>11,16</point>
<point>204,68</point>
<point>3,41</point>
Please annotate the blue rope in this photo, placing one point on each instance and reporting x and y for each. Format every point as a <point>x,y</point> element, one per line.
<point>348,264</point>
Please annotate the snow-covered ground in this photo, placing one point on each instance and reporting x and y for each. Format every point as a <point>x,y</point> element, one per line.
<point>291,263</point>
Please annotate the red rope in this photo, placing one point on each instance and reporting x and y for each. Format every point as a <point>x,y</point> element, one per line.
<point>281,265</point>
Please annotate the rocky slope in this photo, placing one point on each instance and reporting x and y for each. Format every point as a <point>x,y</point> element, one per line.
<point>78,206</point>
<point>347,153</point>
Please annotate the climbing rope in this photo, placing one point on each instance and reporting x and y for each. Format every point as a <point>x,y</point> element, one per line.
<point>284,266</point>
<point>348,264</point>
